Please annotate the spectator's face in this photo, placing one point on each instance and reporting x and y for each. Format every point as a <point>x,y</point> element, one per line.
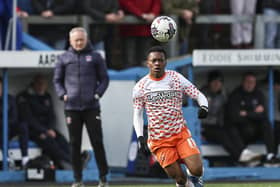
<point>156,62</point>
<point>249,83</point>
<point>40,86</point>
<point>277,87</point>
<point>216,85</point>
<point>78,40</point>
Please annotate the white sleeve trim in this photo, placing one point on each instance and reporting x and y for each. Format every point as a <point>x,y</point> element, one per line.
<point>202,100</point>
<point>138,121</point>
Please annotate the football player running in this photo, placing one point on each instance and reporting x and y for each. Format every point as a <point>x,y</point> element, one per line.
<point>161,92</point>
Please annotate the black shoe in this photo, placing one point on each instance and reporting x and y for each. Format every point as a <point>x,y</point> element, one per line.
<point>85,155</point>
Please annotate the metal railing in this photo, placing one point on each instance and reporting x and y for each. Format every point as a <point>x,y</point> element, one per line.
<point>258,21</point>
<point>86,21</point>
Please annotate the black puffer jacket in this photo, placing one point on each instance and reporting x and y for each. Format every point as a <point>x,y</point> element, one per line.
<point>248,101</point>
<point>57,6</point>
<point>80,75</point>
<point>274,4</point>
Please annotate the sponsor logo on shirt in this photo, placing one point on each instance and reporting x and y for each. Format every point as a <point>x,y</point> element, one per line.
<point>162,95</point>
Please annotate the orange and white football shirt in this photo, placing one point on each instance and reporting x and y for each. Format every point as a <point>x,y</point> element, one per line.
<point>162,98</point>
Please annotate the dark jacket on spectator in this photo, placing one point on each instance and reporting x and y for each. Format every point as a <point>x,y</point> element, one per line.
<point>175,7</point>
<point>6,12</point>
<point>12,111</point>
<point>81,75</point>
<point>216,106</point>
<point>57,6</point>
<point>241,100</point>
<point>97,10</point>
<point>36,110</point>
<point>274,4</point>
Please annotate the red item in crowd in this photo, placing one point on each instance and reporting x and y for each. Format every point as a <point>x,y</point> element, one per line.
<point>137,8</point>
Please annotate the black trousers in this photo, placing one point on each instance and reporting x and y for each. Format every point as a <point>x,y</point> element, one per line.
<point>229,138</point>
<point>254,130</point>
<point>236,136</point>
<point>277,135</point>
<point>75,121</point>
<point>58,148</point>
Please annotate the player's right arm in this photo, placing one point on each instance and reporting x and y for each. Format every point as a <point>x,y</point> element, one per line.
<point>138,121</point>
<point>138,109</point>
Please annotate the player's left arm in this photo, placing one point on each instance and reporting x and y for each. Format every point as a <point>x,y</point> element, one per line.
<point>138,121</point>
<point>192,91</point>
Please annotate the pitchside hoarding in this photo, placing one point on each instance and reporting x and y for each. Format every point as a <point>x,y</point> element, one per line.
<point>255,57</point>
<point>28,59</point>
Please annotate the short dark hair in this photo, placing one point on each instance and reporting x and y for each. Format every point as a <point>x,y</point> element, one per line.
<point>248,73</point>
<point>215,75</point>
<point>157,48</point>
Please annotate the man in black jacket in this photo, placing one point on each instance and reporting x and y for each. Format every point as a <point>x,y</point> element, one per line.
<point>246,111</point>
<point>36,110</point>
<point>15,128</point>
<point>80,80</point>
<point>216,129</point>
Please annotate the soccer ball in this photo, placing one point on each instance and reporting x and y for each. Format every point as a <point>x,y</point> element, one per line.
<point>163,28</point>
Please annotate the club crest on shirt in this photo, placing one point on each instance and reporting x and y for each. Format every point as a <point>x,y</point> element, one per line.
<point>171,85</point>
<point>88,58</point>
<point>68,120</point>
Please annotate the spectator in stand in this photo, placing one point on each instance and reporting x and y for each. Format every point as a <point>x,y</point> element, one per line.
<point>259,6</point>
<point>47,9</point>
<point>272,29</point>
<point>206,7</point>
<point>21,13</point>
<point>216,129</point>
<point>36,109</point>
<point>277,108</point>
<point>246,111</point>
<point>6,13</point>
<point>186,10</point>
<point>24,8</point>
<point>137,38</point>
<point>104,11</point>
<point>276,87</point>
<point>242,33</point>
<point>15,128</point>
